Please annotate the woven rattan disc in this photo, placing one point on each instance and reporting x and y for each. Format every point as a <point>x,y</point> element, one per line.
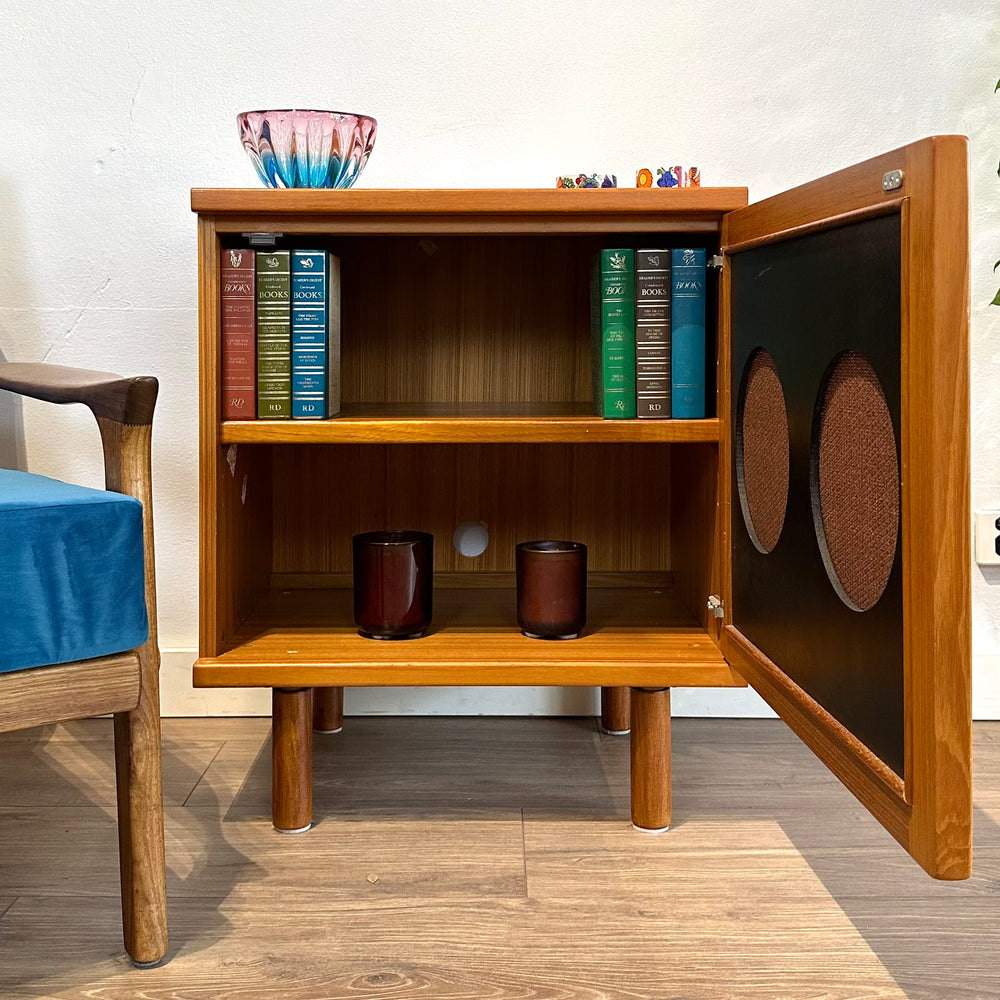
<point>855,482</point>
<point>762,451</point>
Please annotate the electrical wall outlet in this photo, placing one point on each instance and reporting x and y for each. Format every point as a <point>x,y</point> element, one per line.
<point>988,537</point>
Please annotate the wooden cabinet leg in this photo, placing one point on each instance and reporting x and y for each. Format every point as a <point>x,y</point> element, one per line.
<point>650,759</point>
<point>291,759</point>
<point>328,709</point>
<point>615,710</point>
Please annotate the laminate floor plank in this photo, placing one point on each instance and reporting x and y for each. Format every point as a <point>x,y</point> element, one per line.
<point>64,769</point>
<point>435,767</point>
<point>181,730</point>
<point>489,858</point>
<point>517,949</point>
<point>248,863</point>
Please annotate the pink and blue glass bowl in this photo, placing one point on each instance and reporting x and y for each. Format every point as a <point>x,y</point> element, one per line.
<point>307,149</point>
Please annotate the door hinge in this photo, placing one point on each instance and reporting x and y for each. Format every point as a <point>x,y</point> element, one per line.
<point>715,606</point>
<point>715,261</point>
<point>892,180</point>
<point>262,239</point>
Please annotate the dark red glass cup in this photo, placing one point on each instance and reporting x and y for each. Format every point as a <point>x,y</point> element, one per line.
<point>393,577</point>
<point>551,589</point>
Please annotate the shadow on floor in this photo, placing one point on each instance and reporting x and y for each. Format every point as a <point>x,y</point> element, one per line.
<point>723,769</point>
<point>417,767</point>
<point>61,851</point>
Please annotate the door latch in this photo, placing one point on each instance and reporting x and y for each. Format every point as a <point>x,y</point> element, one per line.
<point>715,606</point>
<point>892,181</point>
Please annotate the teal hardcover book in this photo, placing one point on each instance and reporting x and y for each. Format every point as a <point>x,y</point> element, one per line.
<point>687,335</point>
<point>310,306</point>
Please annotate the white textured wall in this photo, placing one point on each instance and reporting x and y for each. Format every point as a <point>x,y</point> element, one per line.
<point>113,112</point>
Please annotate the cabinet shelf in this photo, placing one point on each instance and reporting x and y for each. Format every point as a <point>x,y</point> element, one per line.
<point>467,423</point>
<point>306,638</point>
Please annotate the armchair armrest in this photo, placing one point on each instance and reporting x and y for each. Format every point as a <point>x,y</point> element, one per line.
<point>124,400</point>
<point>123,408</point>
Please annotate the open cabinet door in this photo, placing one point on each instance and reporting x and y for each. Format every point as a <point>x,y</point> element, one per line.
<point>845,477</point>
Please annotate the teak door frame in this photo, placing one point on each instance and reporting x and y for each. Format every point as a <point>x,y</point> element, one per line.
<point>929,809</point>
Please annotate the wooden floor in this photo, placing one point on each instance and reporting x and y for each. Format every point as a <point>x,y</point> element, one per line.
<point>487,858</point>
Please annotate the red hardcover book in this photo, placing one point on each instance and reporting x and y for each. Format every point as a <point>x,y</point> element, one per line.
<point>239,336</point>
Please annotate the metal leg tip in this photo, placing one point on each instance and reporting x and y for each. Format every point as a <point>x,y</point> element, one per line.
<point>301,829</point>
<point>329,732</point>
<point>613,732</point>
<point>147,965</point>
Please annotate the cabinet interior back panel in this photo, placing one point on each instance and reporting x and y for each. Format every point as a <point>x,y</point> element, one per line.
<point>614,498</point>
<point>465,318</point>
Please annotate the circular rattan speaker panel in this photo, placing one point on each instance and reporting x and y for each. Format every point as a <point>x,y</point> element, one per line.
<point>855,481</point>
<point>762,451</point>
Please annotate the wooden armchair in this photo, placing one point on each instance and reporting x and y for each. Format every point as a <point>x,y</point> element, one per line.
<point>122,683</point>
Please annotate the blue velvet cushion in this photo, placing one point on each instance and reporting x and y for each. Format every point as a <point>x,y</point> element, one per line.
<point>71,572</point>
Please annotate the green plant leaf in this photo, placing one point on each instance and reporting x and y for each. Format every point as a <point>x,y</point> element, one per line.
<point>996,265</point>
<point>996,299</point>
<point>997,87</point>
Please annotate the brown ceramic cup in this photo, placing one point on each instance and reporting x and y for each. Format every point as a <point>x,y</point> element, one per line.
<point>551,589</point>
<point>393,576</point>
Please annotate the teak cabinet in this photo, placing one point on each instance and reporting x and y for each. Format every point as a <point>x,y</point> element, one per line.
<point>811,536</point>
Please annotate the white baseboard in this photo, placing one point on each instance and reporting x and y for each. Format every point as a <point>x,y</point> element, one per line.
<point>179,699</point>
<point>985,686</point>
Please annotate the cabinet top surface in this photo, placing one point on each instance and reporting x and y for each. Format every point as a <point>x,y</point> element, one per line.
<point>446,201</point>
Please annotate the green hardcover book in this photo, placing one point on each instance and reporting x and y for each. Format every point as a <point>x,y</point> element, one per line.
<point>274,335</point>
<point>613,333</point>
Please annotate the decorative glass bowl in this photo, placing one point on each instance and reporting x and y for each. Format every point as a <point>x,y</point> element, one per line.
<point>307,149</point>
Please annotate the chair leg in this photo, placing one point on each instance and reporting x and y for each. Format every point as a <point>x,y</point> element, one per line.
<point>140,824</point>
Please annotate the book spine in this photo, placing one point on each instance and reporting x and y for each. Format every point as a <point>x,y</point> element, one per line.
<point>239,336</point>
<point>687,337</point>
<point>652,333</point>
<point>613,333</point>
<point>274,341</point>
<point>310,302</point>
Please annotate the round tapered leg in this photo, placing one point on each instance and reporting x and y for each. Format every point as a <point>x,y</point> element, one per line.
<point>291,759</point>
<point>328,709</point>
<point>615,710</point>
<point>650,759</point>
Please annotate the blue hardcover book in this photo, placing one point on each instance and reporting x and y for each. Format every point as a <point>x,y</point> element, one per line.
<point>311,287</point>
<point>687,340</point>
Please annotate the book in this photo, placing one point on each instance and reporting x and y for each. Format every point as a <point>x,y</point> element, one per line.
<point>613,333</point>
<point>687,334</point>
<point>239,336</point>
<point>652,333</point>
<point>315,316</point>
<point>274,335</point>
